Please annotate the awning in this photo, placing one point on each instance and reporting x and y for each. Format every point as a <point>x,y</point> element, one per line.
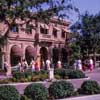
<point>57,28</point>
<point>66,30</point>
<point>16,51</point>
<point>31,52</point>
<point>44,26</point>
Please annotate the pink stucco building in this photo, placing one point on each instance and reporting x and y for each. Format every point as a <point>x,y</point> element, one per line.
<point>39,42</point>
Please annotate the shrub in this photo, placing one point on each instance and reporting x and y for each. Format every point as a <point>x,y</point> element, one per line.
<point>23,97</point>
<point>8,92</point>
<point>36,92</point>
<point>63,73</point>
<point>61,89</point>
<point>89,87</point>
<point>76,74</point>
<point>19,75</point>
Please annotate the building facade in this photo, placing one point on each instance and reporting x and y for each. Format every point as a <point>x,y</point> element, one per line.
<point>35,40</point>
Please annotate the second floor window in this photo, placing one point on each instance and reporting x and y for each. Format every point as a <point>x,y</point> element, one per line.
<point>43,30</point>
<point>54,33</point>
<point>63,34</point>
<point>14,28</point>
<point>29,28</point>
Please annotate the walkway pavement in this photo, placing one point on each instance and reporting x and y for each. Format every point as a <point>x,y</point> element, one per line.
<point>90,97</point>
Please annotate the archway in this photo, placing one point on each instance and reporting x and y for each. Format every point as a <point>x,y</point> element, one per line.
<point>44,55</point>
<point>64,56</point>
<point>29,54</point>
<point>1,58</point>
<point>15,55</point>
<point>55,56</point>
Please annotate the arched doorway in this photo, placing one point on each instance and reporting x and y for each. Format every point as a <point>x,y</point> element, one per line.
<point>0,58</point>
<point>64,56</point>
<point>29,54</point>
<point>44,55</point>
<point>15,55</point>
<point>55,56</point>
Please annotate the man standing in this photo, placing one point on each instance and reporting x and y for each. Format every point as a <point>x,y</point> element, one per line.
<point>48,64</point>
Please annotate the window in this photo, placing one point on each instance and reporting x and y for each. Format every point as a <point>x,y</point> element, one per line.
<point>54,33</point>
<point>43,30</point>
<point>14,28</point>
<point>29,28</point>
<point>63,34</point>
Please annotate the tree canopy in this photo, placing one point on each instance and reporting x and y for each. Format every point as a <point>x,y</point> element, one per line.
<point>89,33</point>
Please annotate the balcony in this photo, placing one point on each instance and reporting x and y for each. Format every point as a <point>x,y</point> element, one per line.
<point>46,36</point>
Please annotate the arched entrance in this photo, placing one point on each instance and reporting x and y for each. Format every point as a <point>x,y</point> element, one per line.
<point>64,56</point>
<point>55,56</point>
<point>15,55</point>
<point>29,54</point>
<point>0,58</point>
<point>44,56</point>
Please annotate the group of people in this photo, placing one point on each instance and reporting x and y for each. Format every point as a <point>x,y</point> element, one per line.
<point>23,65</point>
<point>83,65</point>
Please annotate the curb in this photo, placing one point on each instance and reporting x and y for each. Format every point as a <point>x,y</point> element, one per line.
<point>26,83</point>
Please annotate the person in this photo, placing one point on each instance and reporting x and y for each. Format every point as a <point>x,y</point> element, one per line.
<point>7,68</point>
<point>75,65</point>
<point>32,64</point>
<point>48,64</point>
<point>37,68</point>
<point>83,66</point>
<point>24,65</point>
<point>91,66</point>
<point>59,64</point>
<point>79,64</point>
<point>19,66</point>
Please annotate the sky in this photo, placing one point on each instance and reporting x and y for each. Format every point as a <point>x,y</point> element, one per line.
<point>92,6</point>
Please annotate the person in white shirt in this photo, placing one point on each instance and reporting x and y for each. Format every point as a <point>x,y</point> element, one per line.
<point>32,64</point>
<point>7,68</point>
<point>59,64</point>
<point>48,64</point>
<point>91,66</point>
<point>79,64</point>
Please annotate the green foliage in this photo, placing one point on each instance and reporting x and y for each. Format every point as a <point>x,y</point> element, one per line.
<point>36,92</point>
<point>75,74</point>
<point>60,72</point>
<point>23,97</point>
<point>68,73</point>
<point>30,76</point>
<point>61,89</point>
<point>8,92</point>
<point>89,40</point>
<point>89,87</point>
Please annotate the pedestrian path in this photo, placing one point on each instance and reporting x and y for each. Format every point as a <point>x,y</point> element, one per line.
<point>90,97</point>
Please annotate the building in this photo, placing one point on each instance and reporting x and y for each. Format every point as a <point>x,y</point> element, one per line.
<point>35,40</point>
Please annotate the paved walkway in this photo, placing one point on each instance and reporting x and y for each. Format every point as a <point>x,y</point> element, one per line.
<point>90,97</point>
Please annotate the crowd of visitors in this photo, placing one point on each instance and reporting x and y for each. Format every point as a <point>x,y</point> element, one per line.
<point>23,65</point>
<point>85,64</point>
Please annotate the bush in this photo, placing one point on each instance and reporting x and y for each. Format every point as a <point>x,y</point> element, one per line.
<point>61,89</point>
<point>36,92</point>
<point>23,97</point>
<point>76,74</point>
<point>89,87</point>
<point>63,73</point>
<point>8,92</point>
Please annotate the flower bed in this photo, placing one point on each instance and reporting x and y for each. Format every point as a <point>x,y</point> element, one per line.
<point>43,75</point>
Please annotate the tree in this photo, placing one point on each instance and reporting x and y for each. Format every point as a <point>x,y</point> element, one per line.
<point>11,10</point>
<point>89,39</point>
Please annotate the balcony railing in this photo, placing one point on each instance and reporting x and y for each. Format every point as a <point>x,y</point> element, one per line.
<point>46,36</point>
